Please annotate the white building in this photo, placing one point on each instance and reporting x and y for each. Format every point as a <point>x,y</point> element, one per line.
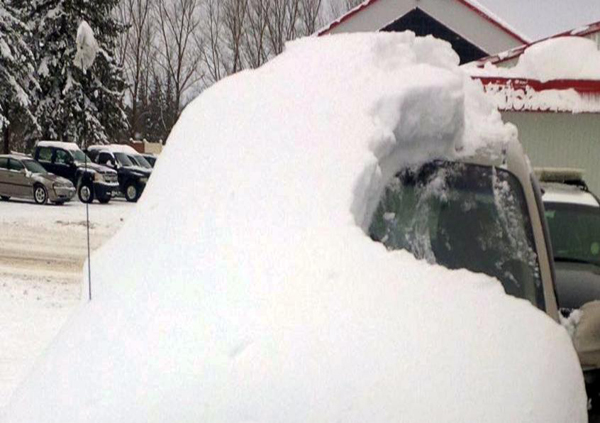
<point>473,31</point>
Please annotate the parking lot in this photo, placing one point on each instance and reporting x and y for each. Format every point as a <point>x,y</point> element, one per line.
<point>42,254</point>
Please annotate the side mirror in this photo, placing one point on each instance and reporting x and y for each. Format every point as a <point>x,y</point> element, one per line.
<point>586,336</point>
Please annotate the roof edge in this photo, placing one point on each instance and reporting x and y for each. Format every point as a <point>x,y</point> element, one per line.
<point>581,86</point>
<point>475,8</point>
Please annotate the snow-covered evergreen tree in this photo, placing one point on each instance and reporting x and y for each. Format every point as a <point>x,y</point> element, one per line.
<point>86,108</point>
<point>17,76</point>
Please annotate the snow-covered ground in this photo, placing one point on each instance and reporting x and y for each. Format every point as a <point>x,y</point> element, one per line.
<point>41,260</point>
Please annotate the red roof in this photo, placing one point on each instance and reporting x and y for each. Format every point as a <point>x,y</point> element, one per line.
<point>582,86</point>
<point>517,51</point>
<point>466,3</point>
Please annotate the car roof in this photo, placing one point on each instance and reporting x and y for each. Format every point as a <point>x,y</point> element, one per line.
<point>16,156</point>
<point>114,148</point>
<point>555,192</point>
<point>58,144</point>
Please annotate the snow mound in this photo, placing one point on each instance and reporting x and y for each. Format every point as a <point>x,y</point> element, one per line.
<point>245,288</point>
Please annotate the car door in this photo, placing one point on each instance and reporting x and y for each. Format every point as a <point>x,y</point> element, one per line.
<point>21,186</point>
<point>44,157</point>
<point>62,162</point>
<point>4,186</point>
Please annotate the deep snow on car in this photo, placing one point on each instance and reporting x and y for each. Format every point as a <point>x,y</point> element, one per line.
<point>258,294</point>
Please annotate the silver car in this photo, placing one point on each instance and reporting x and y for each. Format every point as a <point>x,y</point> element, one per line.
<point>23,177</point>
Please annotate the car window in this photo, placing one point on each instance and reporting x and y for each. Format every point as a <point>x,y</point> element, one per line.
<point>141,161</point>
<point>34,167</point>
<point>104,158</point>
<point>45,154</point>
<point>123,159</point>
<point>15,165</point>
<point>62,157</point>
<point>79,156</point>
<point>3,163</point>
<point>574,231</point>
<point>462,216</point>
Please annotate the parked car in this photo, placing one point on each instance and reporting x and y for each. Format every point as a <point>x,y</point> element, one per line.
<point>486,214</point>
<point>573,215</point>
<point>64,159</point>
<point>23,177</point>
<point>133,171</point>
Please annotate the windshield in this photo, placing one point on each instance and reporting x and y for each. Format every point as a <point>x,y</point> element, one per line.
<point>34,167</point>
<point>140,161</point>
<point>79,156</point>
<point>462,216</point>
<point>574,231</point>
<point>123,159</point>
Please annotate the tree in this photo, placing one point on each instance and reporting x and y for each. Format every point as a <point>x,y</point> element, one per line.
<point>137,55</point>
<point>76,106</point>
<point>178,22</point>
<point>17,76</point>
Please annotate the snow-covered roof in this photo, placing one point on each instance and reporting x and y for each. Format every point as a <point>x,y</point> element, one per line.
<point>245,287</point>
<point>58,144</point>
<point>115,148</point>
<point>587,31</point>
<point>561,193</point>
<point>463,16</point>
<point>561,74</point>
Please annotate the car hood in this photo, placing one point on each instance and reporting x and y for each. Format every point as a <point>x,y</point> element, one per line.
<point>50,177</point>
<point>96,167</point>
<point>137,169</point>
<point>577,284</point>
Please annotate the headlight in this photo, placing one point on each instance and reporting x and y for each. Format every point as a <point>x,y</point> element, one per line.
<point>98,177</point>
<point>143,180</point>
<point>61,185</point>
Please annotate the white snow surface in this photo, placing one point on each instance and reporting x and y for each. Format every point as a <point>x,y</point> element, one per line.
<point>87,47</point>
<point>58,144</point>
<point>116,148</point>
<point>245,289</point>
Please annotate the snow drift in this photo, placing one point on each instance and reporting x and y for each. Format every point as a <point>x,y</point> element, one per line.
<point>245,288</point>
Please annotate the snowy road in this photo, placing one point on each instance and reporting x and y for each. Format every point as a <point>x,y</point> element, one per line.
<point>42,251</point>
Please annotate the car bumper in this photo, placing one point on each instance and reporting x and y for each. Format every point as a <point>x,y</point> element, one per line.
<point>105,190</point>
<point>61,194</point>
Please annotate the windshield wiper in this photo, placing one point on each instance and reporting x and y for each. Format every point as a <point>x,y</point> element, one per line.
<point>574,260</point>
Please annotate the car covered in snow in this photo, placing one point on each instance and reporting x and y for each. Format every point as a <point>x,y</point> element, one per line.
<point>23,177</point>
<point>65,159</point>
<point>132,169</point>
<point>291,285</point>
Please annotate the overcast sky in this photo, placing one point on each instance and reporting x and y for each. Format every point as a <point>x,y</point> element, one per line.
<point>541,18</point>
